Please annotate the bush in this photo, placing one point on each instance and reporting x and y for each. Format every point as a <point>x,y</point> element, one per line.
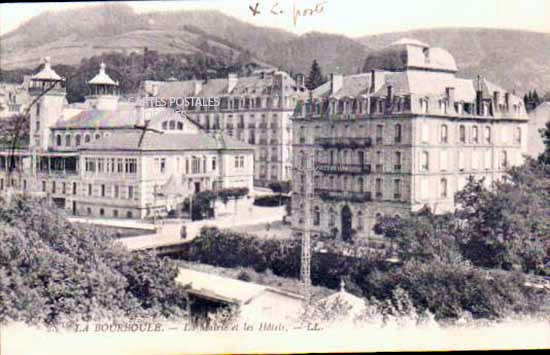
<point>269,201</point>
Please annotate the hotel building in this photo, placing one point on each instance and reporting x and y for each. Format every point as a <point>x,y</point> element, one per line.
<point>255,109</point>
<point>405,134</point>
<point>109,158</point>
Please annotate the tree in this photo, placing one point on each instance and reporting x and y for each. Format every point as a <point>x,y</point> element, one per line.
<point>315,78</point>
<point>52,270</point>
<point>544,157</point>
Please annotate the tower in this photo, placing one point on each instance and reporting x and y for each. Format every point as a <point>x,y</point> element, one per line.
<point>47,90</point>
<point>104,91</point>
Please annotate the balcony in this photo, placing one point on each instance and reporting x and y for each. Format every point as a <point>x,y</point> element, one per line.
<point>343,168</point>
<point>339,195</point>
<point>344,142</point>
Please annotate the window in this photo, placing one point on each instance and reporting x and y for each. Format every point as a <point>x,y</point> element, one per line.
<point>129,214</point>
<point>213,163</point>
<point>74,188</point>
<point>379,134</point>
<point>58,140</point>
<point>77,140</point>
<point>89,211</point>
<point>461,162</point>
<point>102,190</point>
<point>242,162</point>
<point>378,188</point>
<point>397,189</point>
<point>361,185</point>
<point>488,135</point>
<point>89,189</point>
<point>316,216</point>
<point>504,159</point>
<point>120,166</point>
<point>425,161</point>
<point>397,133</point>
<point>237,162</point>
<point>186,166</point>
<point>443,188</point>
<point>332,217</point>
<point>162,165</point>
<point>475,134</point>
<point>64,188</point>
<point>116,191</point>
<point>444,134</point>
<point>53,187</point>
<point>67,141</point>
<point>397,166</point>
<point>115,213</point>
<point>97,136</point>
<point>130,192</point>
<point>43,186</point>
<point>180,126</point>
<point>101,212</point>
<point>518,135</point>
<point>38,109</point>
<point>87,138</point>
<point>462,134</point>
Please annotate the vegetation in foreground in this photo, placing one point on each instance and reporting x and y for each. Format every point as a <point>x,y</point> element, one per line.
<point>52,271</point>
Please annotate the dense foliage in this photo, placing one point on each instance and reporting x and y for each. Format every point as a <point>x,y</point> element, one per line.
<point>447,288</point>
<point>315,77</point>
<point>203,201</point>
<point>132,69</point>
<point>52,270</point>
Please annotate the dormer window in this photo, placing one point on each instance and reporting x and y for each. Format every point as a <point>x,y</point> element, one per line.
<point>426,52</point>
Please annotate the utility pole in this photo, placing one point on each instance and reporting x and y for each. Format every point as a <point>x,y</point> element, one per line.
<point>306,235</point>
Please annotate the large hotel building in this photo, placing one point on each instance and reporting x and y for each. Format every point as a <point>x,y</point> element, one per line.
<point>256,109</point>
<point>405,134</point>
<point>110,158</point>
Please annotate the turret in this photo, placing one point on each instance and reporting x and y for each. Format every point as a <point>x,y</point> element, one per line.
<point>49,88</point>
<point>104,91</point>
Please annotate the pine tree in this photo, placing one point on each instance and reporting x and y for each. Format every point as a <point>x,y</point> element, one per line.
<point>315,78</point>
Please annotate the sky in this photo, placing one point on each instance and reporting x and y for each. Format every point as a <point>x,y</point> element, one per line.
<point>348,17</point>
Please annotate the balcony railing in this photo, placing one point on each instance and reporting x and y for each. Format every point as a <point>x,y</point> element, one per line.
<point>343,168</point>
<point>342,142</point>
<point>339,195</point>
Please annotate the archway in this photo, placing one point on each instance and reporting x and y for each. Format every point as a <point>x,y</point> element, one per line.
<point>346,223</point>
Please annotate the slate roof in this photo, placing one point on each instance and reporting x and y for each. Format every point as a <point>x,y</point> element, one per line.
<point>92,118</point>
<point>129,140</point>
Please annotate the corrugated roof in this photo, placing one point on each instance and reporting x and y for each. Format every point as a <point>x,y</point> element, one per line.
<point>136,139</point>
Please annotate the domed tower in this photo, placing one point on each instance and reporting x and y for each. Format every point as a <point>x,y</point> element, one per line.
<point>49,88</point>
<point>104,91</point>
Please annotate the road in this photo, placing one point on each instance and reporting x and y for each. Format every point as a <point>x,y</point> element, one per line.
<point>169,234</point>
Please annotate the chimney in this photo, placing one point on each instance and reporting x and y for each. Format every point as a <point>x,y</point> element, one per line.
<point>479,96</point>
<point>496,97</point>
<point>390,93</point>
<point>336,82</point>
<point>372,80</point>
<point>231,82</point>
<point>450,92</point>
<point>507,101</point>
<point>197,87</point>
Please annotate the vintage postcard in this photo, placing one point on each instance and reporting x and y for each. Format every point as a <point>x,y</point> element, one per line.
<point>274,176</point>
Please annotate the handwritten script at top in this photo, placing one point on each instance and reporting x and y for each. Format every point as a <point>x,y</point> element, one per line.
<point>276,8</point>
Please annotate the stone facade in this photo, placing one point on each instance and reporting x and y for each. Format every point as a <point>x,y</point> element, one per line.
<point>107,158</point>
<point>255,109</point>
<point>398,138</point>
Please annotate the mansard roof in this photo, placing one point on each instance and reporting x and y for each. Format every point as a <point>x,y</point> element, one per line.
<point>129,140</point>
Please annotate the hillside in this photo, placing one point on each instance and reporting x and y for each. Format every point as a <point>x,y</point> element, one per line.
<point>514,59</point>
